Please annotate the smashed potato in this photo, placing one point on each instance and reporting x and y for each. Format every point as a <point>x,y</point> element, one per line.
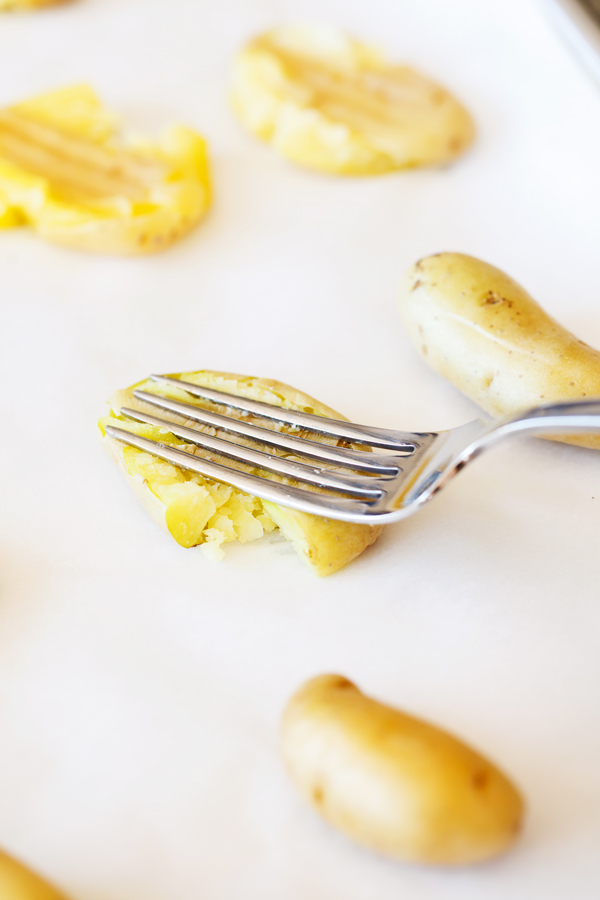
<point>64,172</point>
<point>327,101</point>
<point>484,333</point>
<point>394,783</point>
<point>19,883</point>
<point>14,5</point>
<point>198,511</point>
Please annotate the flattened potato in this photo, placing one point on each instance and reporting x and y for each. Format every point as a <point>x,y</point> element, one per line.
<point>15,5</point>
<point>395,783</point>
<point>484,333</point>
<point>197,511</point>
<point>332,103</point>
<point>65,172</point>
<point>19,883</point>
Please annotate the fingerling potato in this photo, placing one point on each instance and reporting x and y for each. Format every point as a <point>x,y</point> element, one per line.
<point>19,883</point>
<point>394,783</point>
<point>484,333</point>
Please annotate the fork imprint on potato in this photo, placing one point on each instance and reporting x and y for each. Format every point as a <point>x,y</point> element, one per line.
<point>396,473</point>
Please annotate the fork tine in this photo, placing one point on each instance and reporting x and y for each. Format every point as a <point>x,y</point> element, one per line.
<point>282,494</point>
<point>340,456</point>
<point>346,431</point>
<point>281,465</point>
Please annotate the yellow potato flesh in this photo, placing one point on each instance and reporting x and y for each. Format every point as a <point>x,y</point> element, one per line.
<point>77,169</point>
<point>19,883</point>
<point>327,101</point>
<point>394,783</point>
<point>482,331</point>
<point>197,511</point>
<point>63,171</point>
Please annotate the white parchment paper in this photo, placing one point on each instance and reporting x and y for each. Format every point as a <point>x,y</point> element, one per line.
<point>140,684</point>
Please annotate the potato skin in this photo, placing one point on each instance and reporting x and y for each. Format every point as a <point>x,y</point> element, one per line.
<point>395,783</point>
<point>19,883</point>
<point>483,332</point>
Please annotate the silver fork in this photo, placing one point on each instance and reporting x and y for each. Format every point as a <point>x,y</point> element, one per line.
<point>372,488</point>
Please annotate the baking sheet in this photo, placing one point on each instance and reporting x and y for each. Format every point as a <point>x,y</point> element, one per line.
<point>141,684</point>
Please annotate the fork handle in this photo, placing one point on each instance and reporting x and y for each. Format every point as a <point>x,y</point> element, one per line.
<point>572,417</point>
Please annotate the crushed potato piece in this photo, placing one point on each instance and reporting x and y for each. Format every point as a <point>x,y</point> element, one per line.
<point>197,511</point>
<point>15,5</point>
<point>327,101</point>
<point>64,172</point>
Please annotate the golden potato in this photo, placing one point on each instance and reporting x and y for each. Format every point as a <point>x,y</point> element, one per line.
<point>327,101</point>
<point>197,511</point>
<point>484,333</point>
<point>64,172</point>
<point>395,783</point>
<point>19,883</point>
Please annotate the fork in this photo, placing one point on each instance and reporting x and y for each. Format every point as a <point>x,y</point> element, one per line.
<point>579,21</point>
<point>344,483</point>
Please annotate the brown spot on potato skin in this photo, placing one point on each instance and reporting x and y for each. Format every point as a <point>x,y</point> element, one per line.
<point>517,826</point>
<point>480,780</point>
<point>340,683</point>
<point>491,298</point>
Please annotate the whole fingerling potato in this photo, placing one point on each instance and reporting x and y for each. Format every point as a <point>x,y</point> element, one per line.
<point>19,883</point>
<point>395,783</point>
<point>484,333</point>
